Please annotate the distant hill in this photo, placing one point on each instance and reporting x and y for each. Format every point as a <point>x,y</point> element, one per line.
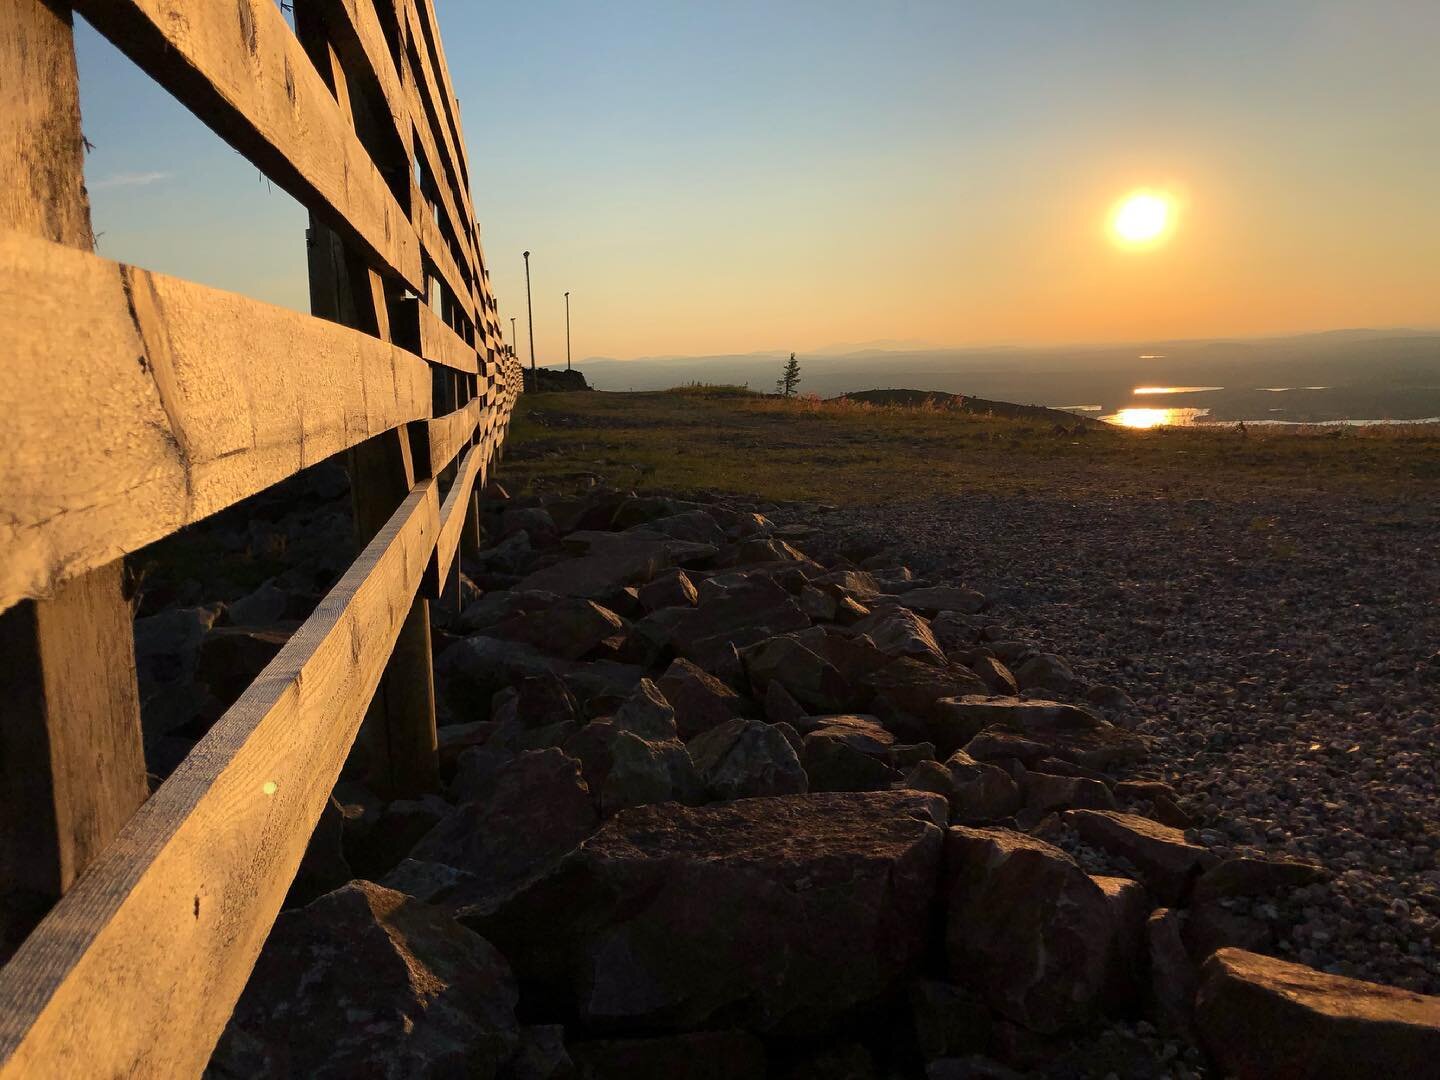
<point>964,403</point>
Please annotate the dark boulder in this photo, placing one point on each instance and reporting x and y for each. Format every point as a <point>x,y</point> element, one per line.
<point>365,981</point>
<point>1262,1017</point>
<point>1025,927</point>
<point>775,914</point>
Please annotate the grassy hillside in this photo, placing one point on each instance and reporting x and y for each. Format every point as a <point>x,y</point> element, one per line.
<point>848,451</point>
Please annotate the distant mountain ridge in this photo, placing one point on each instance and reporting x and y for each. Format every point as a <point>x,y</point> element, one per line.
<point>968,404</point>
<point>1373,374</point>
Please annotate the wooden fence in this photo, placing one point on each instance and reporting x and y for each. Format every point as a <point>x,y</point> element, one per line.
<point>133,404</point>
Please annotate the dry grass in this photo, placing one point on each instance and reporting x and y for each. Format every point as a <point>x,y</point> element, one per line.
<point>724,438</point>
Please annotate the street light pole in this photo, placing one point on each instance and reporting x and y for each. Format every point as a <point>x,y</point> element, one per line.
<point>530,314</point>
<point>567,331</point>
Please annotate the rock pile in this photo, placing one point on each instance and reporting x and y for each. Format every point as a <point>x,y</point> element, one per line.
<point>726,797</point>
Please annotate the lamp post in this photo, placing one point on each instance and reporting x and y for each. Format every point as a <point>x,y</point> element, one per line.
<point>567,331</point>
<point>530,316</point>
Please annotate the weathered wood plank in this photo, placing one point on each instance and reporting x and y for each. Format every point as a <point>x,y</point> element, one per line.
<point>430,107</point>
<point>240,69</point>
<point>356,29</point>
<point>437,249</point>
<point>169,921</point>
<point>166,401</point>
<point>425,11</point>
<point>72,766</point>
<point>419,329</point>
<point>453,519</point>
<point>442,438</point>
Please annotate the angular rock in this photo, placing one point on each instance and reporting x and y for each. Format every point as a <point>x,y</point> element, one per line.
<point>1166,860</point>
<point>695,526</point>
<point>1045,671</point>
<point>1172,975</point>
<point>818,604</point>
<point>1243,876</point>
<point>809,678</point>
<point>744,758</point>
<point>571,628</point>
<point>671,588</point>
<point>780,707</point>
<point>637,542</point>
<point>623,769</point>
<point>938,598</point>
<point>494,607</point>
<point>855,584</point>
<point>996,676</point>
<point>594,576</point>
<point>774,914</point>
<point>742,616</point>
<point>897,631</point>
<point>646,713</point>
<point>392,834</point>
<point>533,811</point>
<point>1130,908</point>
<point>534,521</point>
<point>1044,793</point>
<point>846,758</point>
<point>429,882</point>
<point>1100,748</point>
<point>917,688</point>
<point>469,672</point>
<point>1262,1017</point>
<point>510,556</point>
<point>231,656</point>
<point>1025,927</point>
<point>365,981</point>
<point>977,792</point>
<point>1030,716</point>
<point>700,700</point>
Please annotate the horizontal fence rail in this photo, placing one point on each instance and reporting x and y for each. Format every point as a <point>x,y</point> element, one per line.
<point>136,404</point>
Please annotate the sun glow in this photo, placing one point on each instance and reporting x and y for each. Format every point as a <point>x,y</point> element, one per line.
<point>1142,218</point>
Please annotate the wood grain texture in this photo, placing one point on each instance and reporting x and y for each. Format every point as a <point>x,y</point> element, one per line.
<point>430,25</point>
<point>136,971</point>
<point>446,436</point>
<point>166,401</point>
<point>41,147</point>
<point>72,767</point>
<point>454,513</point>
<point>71,758</point>
<point>431,107</point>
<point>239,68</point>
<point>420,330</point>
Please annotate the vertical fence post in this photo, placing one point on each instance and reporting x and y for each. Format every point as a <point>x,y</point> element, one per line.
<point>398,737</point>
<point>72,763</point>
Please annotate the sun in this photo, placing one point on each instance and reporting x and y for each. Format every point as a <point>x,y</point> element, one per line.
<point>1142,218</point>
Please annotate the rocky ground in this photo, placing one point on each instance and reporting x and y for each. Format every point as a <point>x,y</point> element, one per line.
<point>739,789</point>
<point>1285,655</point>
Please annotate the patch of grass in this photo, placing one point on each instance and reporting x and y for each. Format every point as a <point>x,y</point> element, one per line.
<point>712,390</point>
<point>848,451</point>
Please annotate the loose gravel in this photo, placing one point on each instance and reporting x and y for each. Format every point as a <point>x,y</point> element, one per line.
<point>1283,654</point>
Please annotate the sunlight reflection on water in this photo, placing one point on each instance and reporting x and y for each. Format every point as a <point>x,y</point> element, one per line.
<point>1149,418</point>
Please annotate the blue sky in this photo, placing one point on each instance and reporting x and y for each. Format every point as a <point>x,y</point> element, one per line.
<point>728,177</point>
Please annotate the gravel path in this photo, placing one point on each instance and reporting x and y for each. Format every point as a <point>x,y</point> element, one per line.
<point>1284,653</point>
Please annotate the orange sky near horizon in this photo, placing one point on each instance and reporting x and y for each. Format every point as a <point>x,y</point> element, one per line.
<point>727,179</point>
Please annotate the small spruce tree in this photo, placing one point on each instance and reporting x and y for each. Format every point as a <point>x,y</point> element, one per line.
<point>789,378</point>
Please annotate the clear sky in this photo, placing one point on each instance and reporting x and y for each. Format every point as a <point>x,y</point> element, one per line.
<point>728,177</point>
